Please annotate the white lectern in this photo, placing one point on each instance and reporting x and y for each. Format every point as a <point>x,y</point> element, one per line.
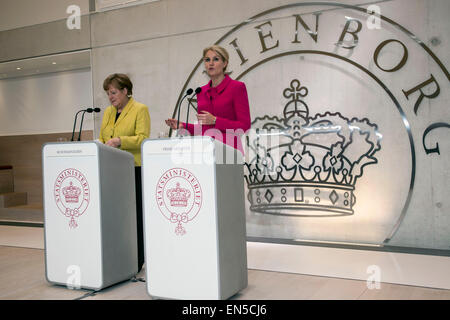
<point>194,218</point>
<point>89,214</point>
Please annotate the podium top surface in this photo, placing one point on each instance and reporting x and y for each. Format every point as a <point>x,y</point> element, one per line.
<point>80,148</point>
<point>187,144</point>
<point>212,151</point>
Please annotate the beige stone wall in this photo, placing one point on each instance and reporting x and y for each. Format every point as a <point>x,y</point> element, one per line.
<point>404,196</point>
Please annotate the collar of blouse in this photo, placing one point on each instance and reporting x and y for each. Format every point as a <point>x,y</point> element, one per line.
<point>219,89</point>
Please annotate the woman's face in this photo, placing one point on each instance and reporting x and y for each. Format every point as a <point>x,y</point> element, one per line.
<point>118,98</point>
<point>214,65</point>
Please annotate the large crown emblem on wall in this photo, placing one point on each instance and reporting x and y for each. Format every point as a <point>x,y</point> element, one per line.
<point>307,166</point>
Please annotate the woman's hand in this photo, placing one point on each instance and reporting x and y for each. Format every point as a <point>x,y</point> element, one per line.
<point>114,142</point>
<point>206,118</point>
<point>173,124</point>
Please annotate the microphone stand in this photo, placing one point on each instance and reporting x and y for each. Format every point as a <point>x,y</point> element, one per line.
<point>197,91</point>
<point>74,124</point>
<point>81,125</point>
<point>188,92</point>
<point>187,113</point>
<point>88,110</point>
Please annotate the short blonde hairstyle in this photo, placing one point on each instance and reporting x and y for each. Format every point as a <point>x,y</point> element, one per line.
<point>118,81</point>
<point>220,51</point>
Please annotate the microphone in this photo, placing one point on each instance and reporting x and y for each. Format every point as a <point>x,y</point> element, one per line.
<point>197,91</point>
<point>88,110</point>
<point>188,92</point>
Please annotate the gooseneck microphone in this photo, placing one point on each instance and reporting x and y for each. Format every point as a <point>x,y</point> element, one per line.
<point>197,91</point>
<point>88,110</point>
<point>188,92</point>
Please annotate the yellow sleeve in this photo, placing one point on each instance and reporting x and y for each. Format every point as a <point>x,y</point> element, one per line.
<point>105,120</point>
<point>142,130</point>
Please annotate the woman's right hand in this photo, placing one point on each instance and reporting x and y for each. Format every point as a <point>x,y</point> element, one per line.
<point>173,124</point>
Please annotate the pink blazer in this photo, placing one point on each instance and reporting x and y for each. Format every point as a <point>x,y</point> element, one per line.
<point>228,102</point>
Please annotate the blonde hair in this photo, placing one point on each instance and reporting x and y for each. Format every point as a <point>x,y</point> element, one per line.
<point>118,81</point>
<point>220,51</point>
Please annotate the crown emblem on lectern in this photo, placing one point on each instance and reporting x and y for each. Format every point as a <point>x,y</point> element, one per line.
<point>185,202</point>
<point>71,193</point>
<point>178,196</point>
<point>72,201</point>
<point>307,166</point>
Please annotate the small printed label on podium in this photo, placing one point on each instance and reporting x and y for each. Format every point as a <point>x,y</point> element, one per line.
<point>185,146</point>
<point>71,150</point>
<point>179,197</point>
<point>183,151</point>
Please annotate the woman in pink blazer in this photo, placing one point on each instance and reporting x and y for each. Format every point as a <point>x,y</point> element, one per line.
<point>223,108</point>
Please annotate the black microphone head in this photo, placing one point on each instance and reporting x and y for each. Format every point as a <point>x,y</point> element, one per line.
<point>89,110</point>
<point>198,90</point>
<point>189,91</point>
<point>96,109</point>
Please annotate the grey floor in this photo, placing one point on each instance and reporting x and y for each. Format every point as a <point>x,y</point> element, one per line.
<point>22,276</point>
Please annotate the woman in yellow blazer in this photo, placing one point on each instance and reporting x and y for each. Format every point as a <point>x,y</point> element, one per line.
<point>125,125</point>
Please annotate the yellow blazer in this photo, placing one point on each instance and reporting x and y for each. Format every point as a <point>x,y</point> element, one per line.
<point>132,127</point>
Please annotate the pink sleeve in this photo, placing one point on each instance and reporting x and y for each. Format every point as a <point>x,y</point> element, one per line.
<point>191,128</point>
<point>241,109</point>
